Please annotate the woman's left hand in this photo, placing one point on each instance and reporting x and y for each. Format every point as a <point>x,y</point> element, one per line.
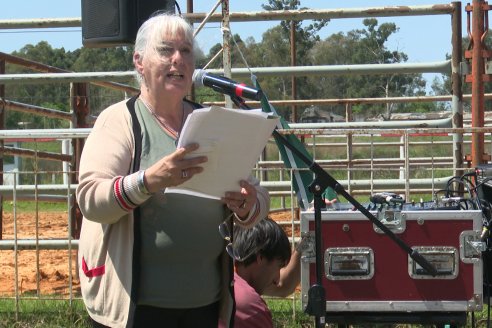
<point>241,202</point>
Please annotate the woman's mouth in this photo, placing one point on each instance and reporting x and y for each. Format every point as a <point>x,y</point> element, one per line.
<point>175,75</point>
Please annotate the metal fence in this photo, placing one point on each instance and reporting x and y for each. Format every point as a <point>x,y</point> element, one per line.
<point>413,160</point>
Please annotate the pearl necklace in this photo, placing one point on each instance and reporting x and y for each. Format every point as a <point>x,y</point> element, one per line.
<point>174,133</point>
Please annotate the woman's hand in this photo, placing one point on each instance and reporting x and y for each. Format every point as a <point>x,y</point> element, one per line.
<point>173,169</point>
<point>241,202</point>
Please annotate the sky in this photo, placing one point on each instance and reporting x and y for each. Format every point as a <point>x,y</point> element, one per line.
<point>422,38</point>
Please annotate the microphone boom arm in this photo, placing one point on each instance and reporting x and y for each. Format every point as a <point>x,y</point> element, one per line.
<point>323,180</point>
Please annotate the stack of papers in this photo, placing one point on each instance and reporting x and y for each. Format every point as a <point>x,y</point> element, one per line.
<point>232,139</point>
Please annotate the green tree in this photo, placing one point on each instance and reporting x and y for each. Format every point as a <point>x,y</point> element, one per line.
<point>57,95</point>
<point>51,95</point>
<point>103,60</point>
<point>305,36</point>
<point>443,86</point>
<point>274,50</point>
<point>363,46</point>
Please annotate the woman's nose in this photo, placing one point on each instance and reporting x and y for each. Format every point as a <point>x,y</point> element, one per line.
<point>176,57</point>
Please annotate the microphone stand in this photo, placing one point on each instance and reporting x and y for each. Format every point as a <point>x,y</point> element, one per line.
<point>316,295</point>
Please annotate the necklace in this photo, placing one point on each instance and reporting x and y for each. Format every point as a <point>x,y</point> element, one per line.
<point>174,133</point>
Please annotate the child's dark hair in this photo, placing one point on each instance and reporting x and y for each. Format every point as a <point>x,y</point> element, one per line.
<point>266,238</point>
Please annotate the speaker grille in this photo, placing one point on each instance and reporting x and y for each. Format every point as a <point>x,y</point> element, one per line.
<point>96,12</point>
<point>108,23</point>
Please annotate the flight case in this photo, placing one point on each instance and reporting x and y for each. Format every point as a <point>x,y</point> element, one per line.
<point>367,275</point>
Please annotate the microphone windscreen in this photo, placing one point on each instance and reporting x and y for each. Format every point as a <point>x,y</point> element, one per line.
<point>198,75</point>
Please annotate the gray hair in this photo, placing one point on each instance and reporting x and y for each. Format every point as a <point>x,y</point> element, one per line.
<point>151,32</point>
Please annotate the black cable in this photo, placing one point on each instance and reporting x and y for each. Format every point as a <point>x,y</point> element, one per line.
<point>484,181</point>
<point>176,4</point>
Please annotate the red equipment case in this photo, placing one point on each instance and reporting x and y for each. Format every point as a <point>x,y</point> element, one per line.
<point>367,273</point>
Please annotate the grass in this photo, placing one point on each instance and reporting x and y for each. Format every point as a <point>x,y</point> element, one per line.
<point>62,314</point>
<point>376,147</point>
<point>284,316</point>
<point>43,313</point>
<point>58,314</point>
<point>30,206</point>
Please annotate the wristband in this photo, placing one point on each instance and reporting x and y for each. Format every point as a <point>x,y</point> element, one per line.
<point>141,183</point>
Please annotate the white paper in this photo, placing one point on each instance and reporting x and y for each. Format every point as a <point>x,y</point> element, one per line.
<point>232,139</point>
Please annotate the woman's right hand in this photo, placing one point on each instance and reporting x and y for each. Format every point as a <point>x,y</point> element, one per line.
<point>173,169</point>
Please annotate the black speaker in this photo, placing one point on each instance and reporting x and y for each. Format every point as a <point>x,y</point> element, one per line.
<point>109,23</point>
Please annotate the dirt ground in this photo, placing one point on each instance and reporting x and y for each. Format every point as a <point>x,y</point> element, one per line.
<point>54,265</point>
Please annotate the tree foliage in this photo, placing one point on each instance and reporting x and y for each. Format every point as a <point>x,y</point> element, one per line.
<point>56,95</point>
<point>444,87</point>
<point>305,36</point>
<point>363,46</point>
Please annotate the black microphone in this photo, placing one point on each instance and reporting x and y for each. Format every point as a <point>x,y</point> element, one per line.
<point>386,198</point>
<point>224,85</point>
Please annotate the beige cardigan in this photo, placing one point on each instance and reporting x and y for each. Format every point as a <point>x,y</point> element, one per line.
<point>107,234</point>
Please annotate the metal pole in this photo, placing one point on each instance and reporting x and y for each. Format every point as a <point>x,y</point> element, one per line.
<point>226,45</point>
<point>348,119</point>
<point>293,63</point>
<point>189,9</point>
<point>79,96</point>
<point>2,126</point>
<point>280,15</point>
<point>457,96</point>
<point>478,70</point>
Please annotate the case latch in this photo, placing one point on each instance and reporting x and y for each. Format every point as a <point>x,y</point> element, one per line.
<point>392,218</point>
<point>471,246</point>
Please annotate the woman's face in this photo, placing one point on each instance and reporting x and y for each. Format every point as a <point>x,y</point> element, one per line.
<point>169,71</point>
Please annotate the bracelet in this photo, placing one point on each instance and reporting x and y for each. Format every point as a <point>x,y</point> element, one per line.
<point>141,183</point>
